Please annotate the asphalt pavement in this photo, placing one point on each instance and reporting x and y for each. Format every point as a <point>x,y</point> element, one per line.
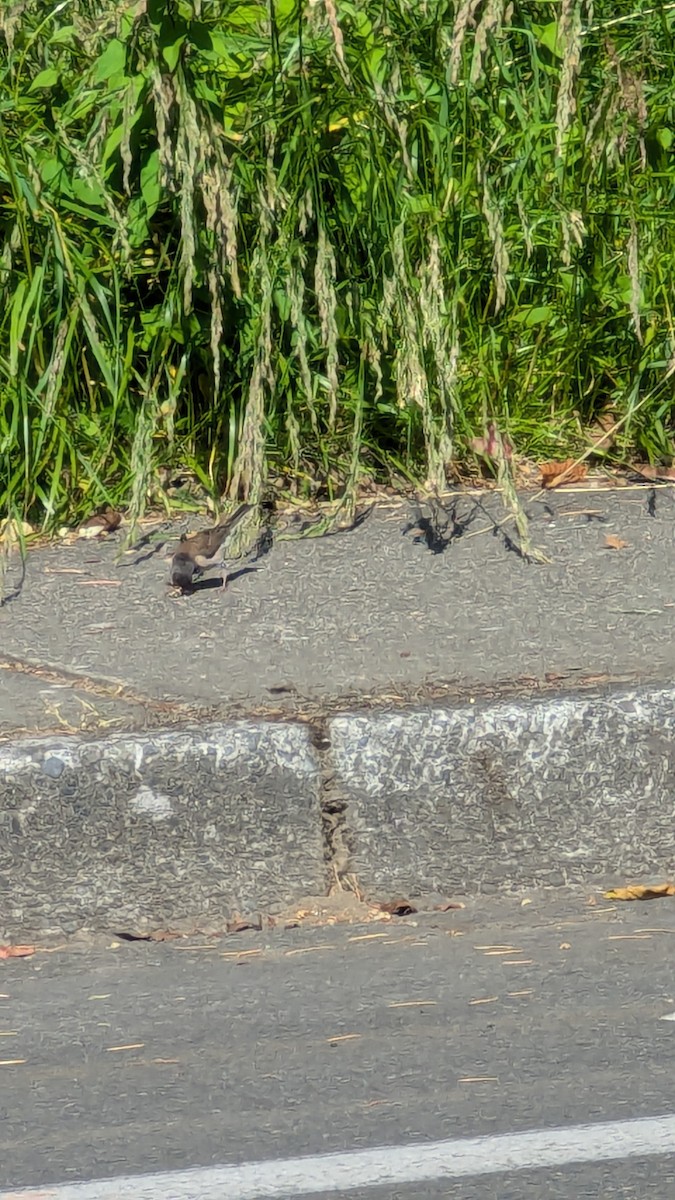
<point>419,601</point>
<point>540,1012</point>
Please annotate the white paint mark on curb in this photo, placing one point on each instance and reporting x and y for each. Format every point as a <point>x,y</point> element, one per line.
<point>386,1165</point>
<point>152,804</point>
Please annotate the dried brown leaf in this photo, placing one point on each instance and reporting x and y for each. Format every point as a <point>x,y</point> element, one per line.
<point>612,542</point>
<point>602,433</point>
<point>397,908</point>
<point>153,935</point>
<point>243,923</point>
<point>101,524</point>
<point>667,474</point>
<point>553,474</point>
<point>16,951</point>
<point>641,892</point>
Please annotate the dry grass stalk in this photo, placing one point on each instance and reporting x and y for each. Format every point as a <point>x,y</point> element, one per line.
<point>130,99</point>
<point>10,20</point>
<point>442,341</point>
<point>92,173</point>
<point>630,97</point>
<point>385,98</point>
<point>296,295</point>
<point>214,177</point>
<point>500,254</point>
<point>412,382</point>
<point>569,37</point>
<point>325,273</point>
<point>490,25</point>
<point>464,20</point>
<point>141,455</point>
<point>338,40</point>
<point>573,232</point>
<point>248,476</point>
<point>188,145</point>
<point>507,487</point>
<point>411,377</point>
<point>54,371</point>
<point>164,98</point>
<point>634,276</point>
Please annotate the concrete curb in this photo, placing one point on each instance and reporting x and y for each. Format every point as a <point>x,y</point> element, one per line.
<point>157,827</point>
<point>249,815</point>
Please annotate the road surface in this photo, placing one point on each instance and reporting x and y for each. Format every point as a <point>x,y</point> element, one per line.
<point>388,1044</point>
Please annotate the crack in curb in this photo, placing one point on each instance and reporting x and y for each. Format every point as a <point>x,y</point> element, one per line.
<point>334,807</point>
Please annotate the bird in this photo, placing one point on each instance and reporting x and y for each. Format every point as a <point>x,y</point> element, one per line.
<point>200,551</point>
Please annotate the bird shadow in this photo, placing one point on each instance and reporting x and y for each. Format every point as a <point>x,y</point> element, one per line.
<point>232,575</point>
<point>442,527</point>
<point>214,583</point>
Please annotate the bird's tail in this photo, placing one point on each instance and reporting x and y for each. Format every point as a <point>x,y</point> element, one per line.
<point>234,518</point>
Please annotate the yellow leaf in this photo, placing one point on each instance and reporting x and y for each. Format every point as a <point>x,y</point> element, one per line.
<point>641,892</point>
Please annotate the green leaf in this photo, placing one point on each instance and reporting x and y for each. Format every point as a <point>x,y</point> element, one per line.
<point>540,315</point>
<point>423,204</point>
<point>547,36</point>
<point>137,222</point>
<point>88,192</point>
<point>151,188</point>
<point>45,79</point>
<point>50,169</point>
<point>15,321</point>
<point>111,62</point>
<point>65,36</point>
<point>248,15</point>
<point>171,52</point>
<point>20,312</point>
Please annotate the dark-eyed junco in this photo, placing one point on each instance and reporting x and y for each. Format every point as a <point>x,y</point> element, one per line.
<point>202,550</point>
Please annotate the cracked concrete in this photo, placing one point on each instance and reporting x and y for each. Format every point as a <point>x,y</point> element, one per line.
<point>400,709</point>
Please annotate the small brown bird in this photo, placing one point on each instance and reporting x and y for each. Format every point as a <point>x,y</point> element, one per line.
<point>202,550</point>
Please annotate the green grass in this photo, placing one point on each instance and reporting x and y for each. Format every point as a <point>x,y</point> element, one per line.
<point>311,241</point>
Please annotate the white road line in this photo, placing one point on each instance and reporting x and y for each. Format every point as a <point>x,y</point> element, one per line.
<point>400,1165</point>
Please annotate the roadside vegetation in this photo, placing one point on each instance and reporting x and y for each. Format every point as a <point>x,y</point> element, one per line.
<point>300,243</point>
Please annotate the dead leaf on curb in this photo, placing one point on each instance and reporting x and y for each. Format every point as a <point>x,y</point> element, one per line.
<point>397,908</point>
<point>493,445</point>
<point>16,951</point>
<point>241,924</point>
<point>153,935</point>
<point>451,904</point>
<point>602,433</point>
<point>641,892</point>
<point>665,474</point>
<point>612,542</point>
<point>100,525</point>
<point>554,474</point>
<point>12,531</point>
